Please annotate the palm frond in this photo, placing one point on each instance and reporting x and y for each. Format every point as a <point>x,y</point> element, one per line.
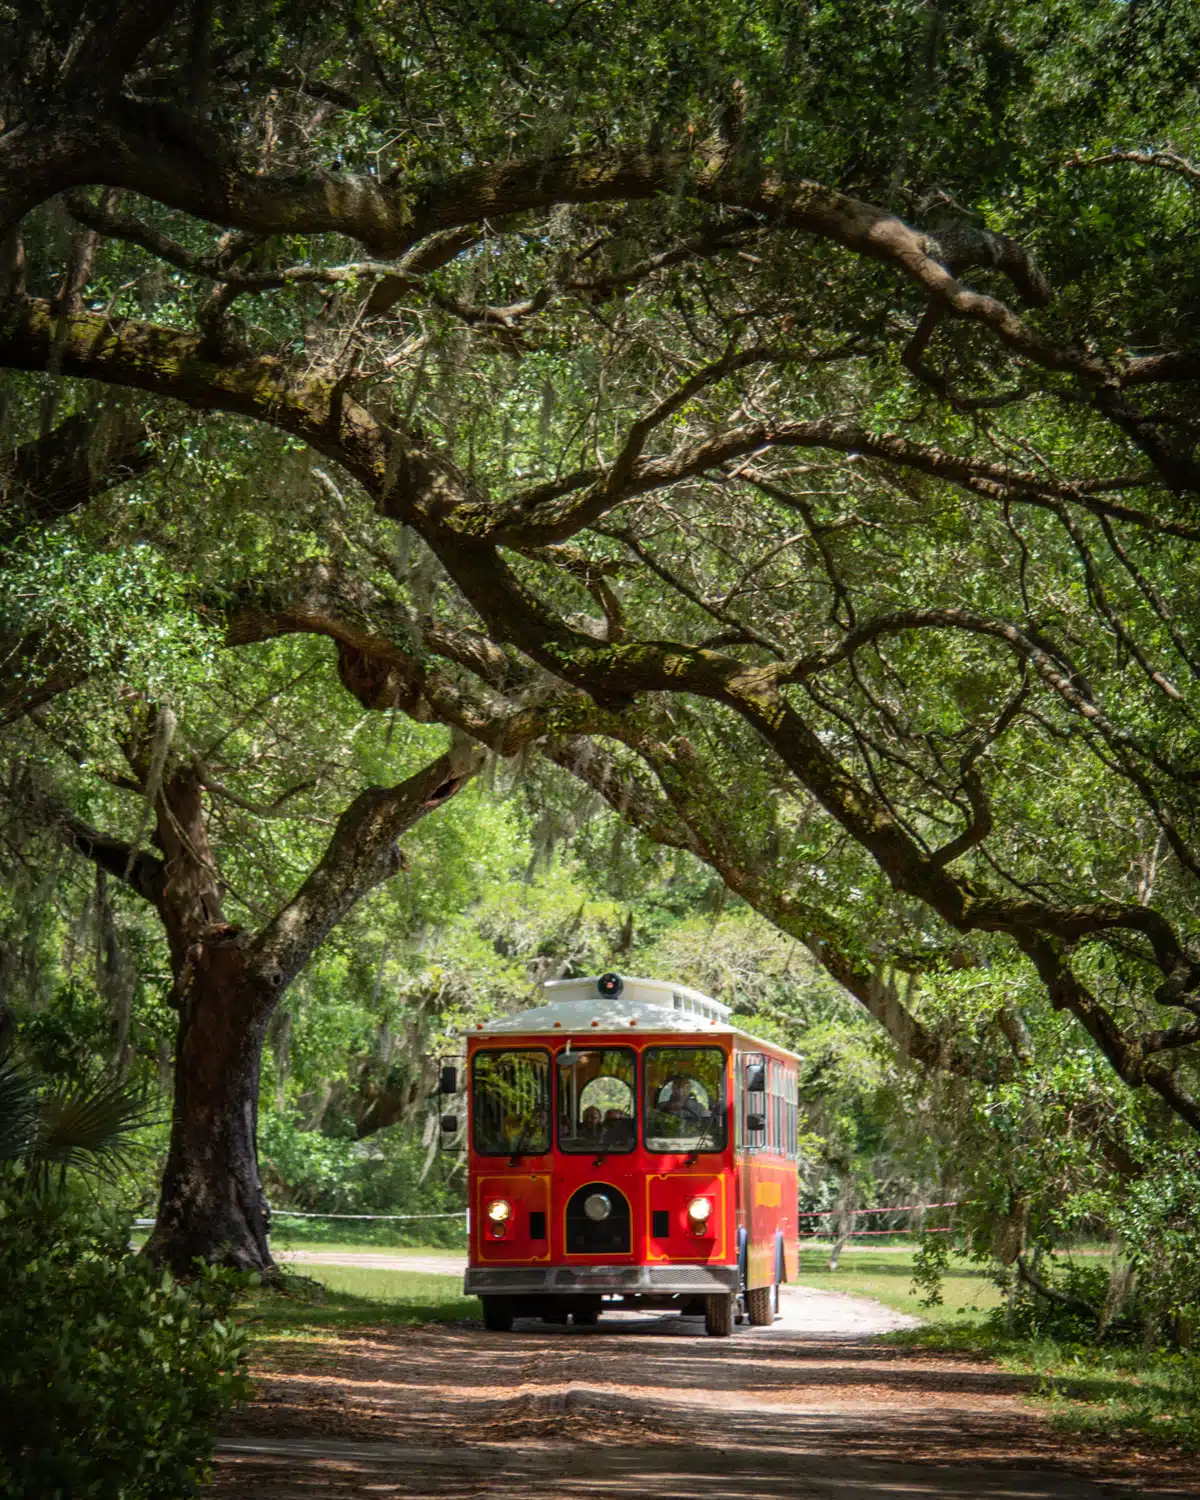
<point>19,1114</point>
<point>90,1124</point>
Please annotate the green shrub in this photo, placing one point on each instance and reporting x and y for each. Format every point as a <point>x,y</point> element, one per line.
<point>1080,1311</point>
<point>315,1172</point>
<point>112,1375</point>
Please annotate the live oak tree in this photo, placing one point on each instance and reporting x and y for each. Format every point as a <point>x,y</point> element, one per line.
<point>229,979</point>
<point>783,422</point>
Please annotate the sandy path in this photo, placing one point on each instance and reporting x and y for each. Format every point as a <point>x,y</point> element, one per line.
<point>643,1406</point>
<point>381,1260</point>
<point>802,1309</point>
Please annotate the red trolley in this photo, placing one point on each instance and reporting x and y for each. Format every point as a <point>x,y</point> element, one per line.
<point>628,1146</point>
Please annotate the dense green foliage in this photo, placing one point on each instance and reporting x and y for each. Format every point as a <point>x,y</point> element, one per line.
<point>347,1110</point>
<point>114,1375</point>
<point>87,1123</point>
<point>770,432</point>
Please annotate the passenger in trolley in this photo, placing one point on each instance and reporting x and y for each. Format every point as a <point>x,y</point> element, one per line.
<point>628,1146</point>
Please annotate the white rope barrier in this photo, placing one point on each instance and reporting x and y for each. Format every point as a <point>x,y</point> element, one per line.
<point>461,1213</point>
<point>900,1208</point>
<point>287,1213</point>
<point>831,1234</point>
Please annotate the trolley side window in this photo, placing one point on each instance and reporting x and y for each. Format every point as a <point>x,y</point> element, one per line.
<point>790,1082</point>
<point>510,1099</point>
<point>597,1099</point>
<point>685,1099</point>
<point>752,1101</point>
<point>781,1121</point>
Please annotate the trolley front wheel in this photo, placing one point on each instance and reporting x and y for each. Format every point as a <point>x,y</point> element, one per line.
<point>498,1314</point>
<point>718,1314</point>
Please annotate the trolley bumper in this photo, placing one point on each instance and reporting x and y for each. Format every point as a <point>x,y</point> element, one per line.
<point>602,1281</point>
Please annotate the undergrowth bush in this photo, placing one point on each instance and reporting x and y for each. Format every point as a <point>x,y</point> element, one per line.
<point>113,1375</point>
<point>388,1173</point>
<point>1081,1309</point>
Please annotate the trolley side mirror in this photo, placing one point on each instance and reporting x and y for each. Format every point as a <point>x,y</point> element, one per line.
<point>448,1082</point>
<point>449,1124</point>
<point>756,1078</point>
<point>756,1122</point>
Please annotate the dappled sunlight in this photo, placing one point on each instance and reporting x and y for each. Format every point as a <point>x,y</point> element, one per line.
<point>666,1473</point>
<point>644,1406</point>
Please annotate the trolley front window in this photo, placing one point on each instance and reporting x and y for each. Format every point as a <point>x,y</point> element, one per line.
<point>685,1099</point>
<point>510,1099</point>
<point>597,1100</point>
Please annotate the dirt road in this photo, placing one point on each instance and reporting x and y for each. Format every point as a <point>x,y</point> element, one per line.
<point>812,1409</point>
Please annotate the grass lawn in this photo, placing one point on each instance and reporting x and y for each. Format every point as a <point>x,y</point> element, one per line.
<point>327,1300</point>
<point>417,1296</point>
<point>887,1276</point>
<point>317,1302</point>
<point>284,1242</point>
<point>1155,1392</point>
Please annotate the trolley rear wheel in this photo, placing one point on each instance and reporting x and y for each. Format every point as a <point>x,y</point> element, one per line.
<point>718,1314</point>
<point>498,1314</point>
<point>760,1303</point>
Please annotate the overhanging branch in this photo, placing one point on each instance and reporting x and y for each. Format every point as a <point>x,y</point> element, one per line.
<point>361,853</point>
<point>141,870</point>
<point>85,455</point>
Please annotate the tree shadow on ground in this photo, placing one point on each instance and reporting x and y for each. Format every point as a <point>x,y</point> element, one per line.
<point>648,1410</point>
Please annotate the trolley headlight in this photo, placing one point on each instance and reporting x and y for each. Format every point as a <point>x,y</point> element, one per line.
<point>699,1211</point>
<point>499,1211</point>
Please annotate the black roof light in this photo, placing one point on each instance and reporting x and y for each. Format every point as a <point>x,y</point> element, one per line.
<point>610,985</point>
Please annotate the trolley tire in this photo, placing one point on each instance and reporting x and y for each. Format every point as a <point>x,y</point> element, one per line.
<point>498,1314</point>
<point>760,1303</point>
<point>586,1319</point>
<point>718,1314</point>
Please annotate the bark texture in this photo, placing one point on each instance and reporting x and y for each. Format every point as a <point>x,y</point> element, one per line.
<point>211,1206</point>
<point>228,982</point>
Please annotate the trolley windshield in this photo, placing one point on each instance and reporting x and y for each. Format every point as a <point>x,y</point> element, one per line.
<point>510,1100</point>
<point>685,1099</point>
<point>597,1100</point>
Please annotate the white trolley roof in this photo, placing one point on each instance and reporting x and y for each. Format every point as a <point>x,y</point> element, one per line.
<point>649,1004</point>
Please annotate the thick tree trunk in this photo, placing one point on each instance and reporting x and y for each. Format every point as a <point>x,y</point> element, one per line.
<point>228,984</point>
<point>212,1206</point>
